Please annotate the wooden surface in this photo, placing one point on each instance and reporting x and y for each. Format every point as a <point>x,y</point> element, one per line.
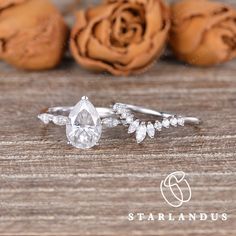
<point>50,188</point>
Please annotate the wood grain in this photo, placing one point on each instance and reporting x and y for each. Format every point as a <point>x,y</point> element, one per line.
<point>50,188</point>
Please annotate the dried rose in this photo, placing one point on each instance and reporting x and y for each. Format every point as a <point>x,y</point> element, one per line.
<point>203,32</point>
<point>122,37</point>
<point>32,34</point>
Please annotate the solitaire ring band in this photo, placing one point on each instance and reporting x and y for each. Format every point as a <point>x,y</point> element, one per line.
<point>84,122</point>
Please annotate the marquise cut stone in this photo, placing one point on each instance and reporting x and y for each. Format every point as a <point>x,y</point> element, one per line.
<point>150,130</point>
<point>130,119</point>
<point>133,126</point>
<point>110,122</point>
<point>84,128</point>
<point>45,118</point>
<point>158,125</point>
<point>141,132</point>
<point>59,120</point>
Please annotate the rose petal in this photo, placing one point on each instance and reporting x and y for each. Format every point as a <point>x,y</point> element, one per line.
<point>27,30</point>
<point>7,3</point>
<point>149,49</point>
<point>203,32</point>
<point>191,8</point>
<point>102,31</point>
<point>99,51</point>
<point>154,21</point>
<point>121,37</point>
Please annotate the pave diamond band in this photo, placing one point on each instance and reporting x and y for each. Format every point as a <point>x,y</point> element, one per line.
<point>84,122</point>
<point>148,128</point>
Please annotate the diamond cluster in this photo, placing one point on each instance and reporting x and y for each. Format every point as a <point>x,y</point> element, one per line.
<point>143,129</point>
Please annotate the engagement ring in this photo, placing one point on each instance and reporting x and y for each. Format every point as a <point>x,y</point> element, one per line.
<point>84,122</point>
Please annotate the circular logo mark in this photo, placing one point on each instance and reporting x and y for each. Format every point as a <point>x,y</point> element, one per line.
<point>175,189</point>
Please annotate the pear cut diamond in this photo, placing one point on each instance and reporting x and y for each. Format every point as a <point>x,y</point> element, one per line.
<point>84,128</point>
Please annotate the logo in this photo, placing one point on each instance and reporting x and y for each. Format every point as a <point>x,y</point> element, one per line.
<point>175,189</point>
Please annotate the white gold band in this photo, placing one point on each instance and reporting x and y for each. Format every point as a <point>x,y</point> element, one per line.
<point>105,112</point>
<point>84,122</point>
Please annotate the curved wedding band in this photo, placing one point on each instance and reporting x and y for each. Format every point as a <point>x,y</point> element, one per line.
<point>84,122</point>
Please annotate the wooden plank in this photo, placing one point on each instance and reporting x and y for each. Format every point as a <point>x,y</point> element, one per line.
<point>48,187</point>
